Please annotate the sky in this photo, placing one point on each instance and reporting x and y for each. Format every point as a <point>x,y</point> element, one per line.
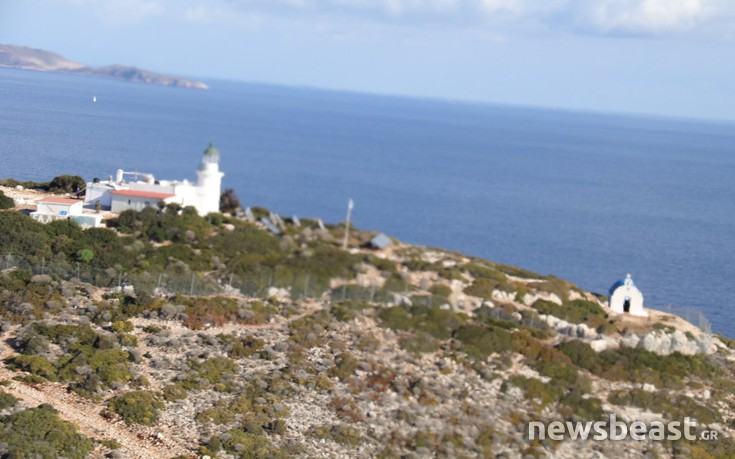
<point>662,57</point>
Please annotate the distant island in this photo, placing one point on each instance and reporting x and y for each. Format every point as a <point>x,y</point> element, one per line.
<point>19,57</point>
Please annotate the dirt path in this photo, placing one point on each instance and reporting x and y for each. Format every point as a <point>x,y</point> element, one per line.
<point>135,441</point>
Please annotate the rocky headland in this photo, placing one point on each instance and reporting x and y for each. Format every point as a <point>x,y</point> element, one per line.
<point>172,335</point>
<point>19,57</point>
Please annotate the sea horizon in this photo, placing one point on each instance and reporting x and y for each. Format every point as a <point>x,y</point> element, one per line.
<point>539,188</point>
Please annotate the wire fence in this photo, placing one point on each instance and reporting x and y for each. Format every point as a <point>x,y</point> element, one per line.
<point>264,283</point>
<point>183,281</point>
<point>692,315</point>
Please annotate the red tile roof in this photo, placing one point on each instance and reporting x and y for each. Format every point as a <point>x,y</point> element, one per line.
<point>142,194</point>
<point>58,201</point>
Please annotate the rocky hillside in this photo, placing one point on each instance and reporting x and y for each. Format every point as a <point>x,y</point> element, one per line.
<point>19,57</point>
<point>171,335</point>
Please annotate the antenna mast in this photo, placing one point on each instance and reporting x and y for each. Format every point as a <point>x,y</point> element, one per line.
<point>350,206</point>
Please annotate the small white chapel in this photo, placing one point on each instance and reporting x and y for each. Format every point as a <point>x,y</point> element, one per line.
<point>625,298</point>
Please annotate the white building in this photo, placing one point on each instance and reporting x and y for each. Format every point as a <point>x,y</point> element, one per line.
<point>137,199</point>
<point>50,209</point>
<point>626,298</point>
<point>145,191</point>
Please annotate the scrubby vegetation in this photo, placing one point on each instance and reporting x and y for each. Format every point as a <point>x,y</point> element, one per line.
<point>7,401</point>
<point>639,365</point>
<point>242,444</point>
<point>137,407</point>
<point>91,361</point>
<point>577,312</point>
<point>59,184</point>
<point>6,202</point>
<point>253,345</point>
<point>38,432</point>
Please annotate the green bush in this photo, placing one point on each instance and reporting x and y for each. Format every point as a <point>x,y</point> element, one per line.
<point>307,331</point>
<point>482,288</point>
<point>90,360</point>
<point>437,322</point>
<point>85,255</point>
<point>581,354</point>
<point>34,364</point>
<point>578,406</point>
<point>640,365</point>
<point>122,326</point>
<point>238,348</point>
<point>174,392</point>
<point>347,310</point>
<point>480,269</point>
<point>7,401</point>
<point>243,445</point>
<point>229,202</point>
<point>345,366</point>
<point>38,432</point>
<point>418,343</point>
<point>246,405</point>
<point>137,407</point>
<point>675,407</point>
<point>535,389</point>
<point>577,311</point>
<point>6,202</point>
<point>480,341</point>
<point>217,371</point>
<point>28,184</point>
<point>441,290</point>
<point>339,433</point>
<point>66,184</point>
<point>20,234</point>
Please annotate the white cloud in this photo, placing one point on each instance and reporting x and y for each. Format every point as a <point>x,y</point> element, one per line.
<point>208,15</point>
<point>504,6</point>
<point>121,13</point>
<point>651,16</point>
<point>614,17</point>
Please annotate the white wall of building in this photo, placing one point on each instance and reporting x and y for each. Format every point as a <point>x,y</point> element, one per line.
<point>122,202</point>
<point>56,208</point>
<point>631,295</point>
<point>204,195</point>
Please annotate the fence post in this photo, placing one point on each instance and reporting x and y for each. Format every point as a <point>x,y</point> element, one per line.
<point>191,289</point>
<point>43,265</point>
<point>306,286</point>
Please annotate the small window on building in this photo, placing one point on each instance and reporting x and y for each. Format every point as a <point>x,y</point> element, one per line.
<point>129,202</point>
<point>147,203</point>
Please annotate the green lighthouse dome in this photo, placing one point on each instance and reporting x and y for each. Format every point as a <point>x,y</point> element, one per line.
<point>211,151</point>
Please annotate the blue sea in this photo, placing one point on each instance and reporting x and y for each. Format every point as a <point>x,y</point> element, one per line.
<point>587,197</point>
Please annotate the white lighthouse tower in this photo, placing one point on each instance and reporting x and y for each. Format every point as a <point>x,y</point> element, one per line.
<point>209,181</point>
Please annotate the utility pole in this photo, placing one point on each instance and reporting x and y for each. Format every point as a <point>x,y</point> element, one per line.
<point>350,206</point>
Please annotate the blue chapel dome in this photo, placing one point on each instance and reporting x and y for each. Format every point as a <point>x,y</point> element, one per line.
<point>628,281</point>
